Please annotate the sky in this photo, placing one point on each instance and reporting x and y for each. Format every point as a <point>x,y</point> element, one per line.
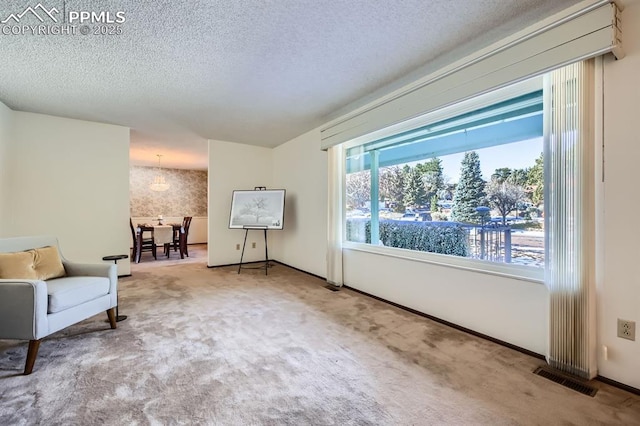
<point>517,155</point>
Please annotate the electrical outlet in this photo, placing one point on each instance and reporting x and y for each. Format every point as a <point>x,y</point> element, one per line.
<point>627,329</point>
<point>253,244</point>
<point>237,246</point>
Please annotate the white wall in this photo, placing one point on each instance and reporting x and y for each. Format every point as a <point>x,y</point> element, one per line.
<point>301,168</point>
<point>5,123</point>
<point>511,310</point>
<point>70,178</point>
<point>234,166</point>
<point>619,292</point>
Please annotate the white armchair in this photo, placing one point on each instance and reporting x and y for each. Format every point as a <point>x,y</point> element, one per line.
<point>31,309</point>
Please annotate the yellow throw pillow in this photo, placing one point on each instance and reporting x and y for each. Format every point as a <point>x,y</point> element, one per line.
<point>48,264</point>
<point>18,265</point>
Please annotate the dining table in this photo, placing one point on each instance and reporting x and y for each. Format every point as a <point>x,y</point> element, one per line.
<point>141,228</point>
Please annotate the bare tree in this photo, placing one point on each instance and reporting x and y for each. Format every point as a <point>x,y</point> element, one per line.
<point>358,188</point>
<point>504,196</point>
<point>392,186</point>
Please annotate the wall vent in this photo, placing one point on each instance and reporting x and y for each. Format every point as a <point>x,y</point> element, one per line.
<point>566,380</point>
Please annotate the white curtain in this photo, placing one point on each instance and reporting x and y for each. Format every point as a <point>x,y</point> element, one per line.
<point>569,217</point>
<point>335,220</point>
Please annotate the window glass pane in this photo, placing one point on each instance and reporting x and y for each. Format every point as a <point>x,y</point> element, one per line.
<point>358,206</point>
<point>469,186</point>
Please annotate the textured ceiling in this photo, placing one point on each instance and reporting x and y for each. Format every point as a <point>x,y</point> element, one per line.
<point>258,72</point>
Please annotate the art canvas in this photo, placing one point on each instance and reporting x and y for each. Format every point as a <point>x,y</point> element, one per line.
<point>257,209</point>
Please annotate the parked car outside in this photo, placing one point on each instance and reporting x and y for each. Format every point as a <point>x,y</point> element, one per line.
<point>417,217</point>
<point>424,217</point>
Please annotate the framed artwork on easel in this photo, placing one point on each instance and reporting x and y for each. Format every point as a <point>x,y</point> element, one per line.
<point>261,209</point>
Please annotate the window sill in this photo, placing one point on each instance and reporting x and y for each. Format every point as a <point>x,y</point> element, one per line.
<point>517,272</point>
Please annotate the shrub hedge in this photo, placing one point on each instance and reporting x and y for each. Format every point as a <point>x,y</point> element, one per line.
<point>434,237</point>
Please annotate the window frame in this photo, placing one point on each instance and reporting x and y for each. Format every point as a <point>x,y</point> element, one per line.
<point>514,271</point>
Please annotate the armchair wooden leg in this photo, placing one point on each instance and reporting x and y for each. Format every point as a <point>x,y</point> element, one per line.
<point>111,313</point>
<point>32,354</point>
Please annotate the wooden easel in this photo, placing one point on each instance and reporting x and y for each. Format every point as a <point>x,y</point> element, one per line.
<point>266,265</point>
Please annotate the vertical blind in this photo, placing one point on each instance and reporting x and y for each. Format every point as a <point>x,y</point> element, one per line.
<point>569,218</point>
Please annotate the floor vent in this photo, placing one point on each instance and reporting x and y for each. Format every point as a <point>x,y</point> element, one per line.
<point>566,381</point>
<point>332,287</point>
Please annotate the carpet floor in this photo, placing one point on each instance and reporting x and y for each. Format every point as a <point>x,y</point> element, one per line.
<point>214,347</point>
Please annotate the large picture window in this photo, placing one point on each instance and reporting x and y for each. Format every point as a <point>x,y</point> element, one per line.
<point>467,182</point>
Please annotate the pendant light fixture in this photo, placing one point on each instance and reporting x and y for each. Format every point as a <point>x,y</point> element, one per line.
<point>159,184</point>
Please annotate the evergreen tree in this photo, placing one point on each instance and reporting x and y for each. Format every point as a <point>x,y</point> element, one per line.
<point>501,174</point>
<point>470,190</point>
<point>514,176</point>
<point>434,204</point>
<point>432,177</point>
<point>414,193</point>
<point>535,181</point>
<point>519,177</point>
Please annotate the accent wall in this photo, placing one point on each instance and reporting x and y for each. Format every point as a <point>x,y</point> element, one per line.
<point>186,196</point>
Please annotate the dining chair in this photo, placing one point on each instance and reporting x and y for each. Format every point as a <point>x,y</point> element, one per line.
<point>182,241</point>
<point>184,233</point>
<point>163,237</point>
<point>148,243</point>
